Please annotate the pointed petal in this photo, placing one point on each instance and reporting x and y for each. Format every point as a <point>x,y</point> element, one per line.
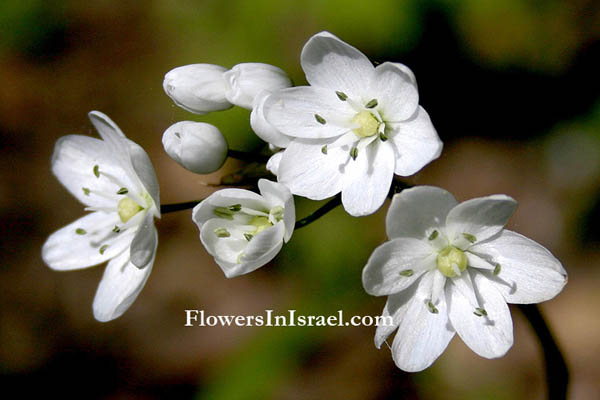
<point>331,63</point>
<point>143,246</point>
<point>119,287</point>
<point>489,336</point>
<point>482,217</point>
<point>310,173</point>
<point>529,273</point>
<point>145,172</point>
<point>368,179</point>
<point>417,143</point>
<point>396,307</point>
<point>279,195</point>
<point>309,112</point>
<point>394,87</point>
<point>383,273</point>
<point>418,211</point>
<point>263,128</point>
<point>65,249</point>
<point>422,335</point>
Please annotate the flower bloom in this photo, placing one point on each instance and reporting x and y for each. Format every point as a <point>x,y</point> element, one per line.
<point>114,178</point>
<point>451,268</point>
<point>354,128</point>
<point>243,230</point>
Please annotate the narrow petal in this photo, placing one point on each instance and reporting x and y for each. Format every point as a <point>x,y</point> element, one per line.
<point>395,306</point>
<point>79,244</point>
<point>310,173</point>
<point>394,87</point>
<point>145,172</point>
<point>279,195</point>
<point>481,218</point>
<point>329,62</point>
<point>417,143</point>
<point>418,211</point>
<point>263,128</point>
<point>489,336</point>
<point>367,180</point>
<point>422,335</point>
<point>395,265</point>
<point>144,243</point>
<point>119,287</point>
<point>528,272</point>
<point>309,112</point>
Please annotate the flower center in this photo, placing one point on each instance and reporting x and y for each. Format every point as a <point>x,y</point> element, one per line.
<point>127,208</point>
<point>451,261</point>
<point>261,223</point>
<point>367,122</point>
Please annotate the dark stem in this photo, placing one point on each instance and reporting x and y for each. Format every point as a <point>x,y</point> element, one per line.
<point>248,157</point>
<point>330,205</point>
<point>169,208</point>
<point>557,372</point>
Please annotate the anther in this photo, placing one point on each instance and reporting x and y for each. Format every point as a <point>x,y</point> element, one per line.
<point>222,232</point>
<point>97,171</point>
<point>354,153</point>
<point>324,149</point>
<point>406,272</point>
<point>497,269</point>
<point>470,237</point>
<point>86,191</point>
<point>80,231</point>
<point>433,235</point>
<point>342,96</point>
<point>371,104</point>
<point>123,191</point>
<point>480,312</point>
<point>103,249</point>
<point>431,307</point>
<point>320,119</point>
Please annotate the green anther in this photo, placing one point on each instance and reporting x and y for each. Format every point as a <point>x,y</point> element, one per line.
<point>342,96</point>
<point>320,119</point>
<point>235,207</point>
<point>277,213</point>
<point>86,191</point>
<point>497,269</point>
<point>432,308</point>
<point>103,248</point>
<point>123,191</point>
<point>371,104</point>
<point>223,212</point>
<point>433,235</point>
<point>450,257</point>
<point>222,232</point>
<point>261,223</point>
<point>127,208</point>
<point>368,125</point>
<point>383,137</point>
<point>406,272</point>
<point>116,229</point>
<point>97,171</point>
<point>480,312</point>
<point>470,237</point>
<point>80,231</point>
<point>324,149</point>
<point>354,153</point>
<point>248,236</point>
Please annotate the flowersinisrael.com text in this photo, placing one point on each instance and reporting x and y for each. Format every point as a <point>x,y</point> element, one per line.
<point>292,318</point>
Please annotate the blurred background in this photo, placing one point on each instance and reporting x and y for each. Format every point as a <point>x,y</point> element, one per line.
<point>512,87</point>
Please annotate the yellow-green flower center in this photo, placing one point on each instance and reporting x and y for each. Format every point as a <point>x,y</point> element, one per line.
<point>127,208</point>
<point>451,261</point>
<point>261,223</point>
<point>368,124</point>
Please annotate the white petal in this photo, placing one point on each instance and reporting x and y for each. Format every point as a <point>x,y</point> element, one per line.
<point>225,198</point>
<point>417,143</point>
<point>119,287</point>
<point>144,243</point>
<point>310,173</point>
<point>273,163</point>
<point>223,249</point>
<point>145,172</point>
<point>279,195</point>
<point>417,211</point>
<point>246,80</point>
<point>329,62</point>
<point>422,335</point>
<point>395,306</point>
<point>67,250</point>
<point>296,112</point>
<point>482,217</point>
<point>367,179</point>
<point>263,128</point>
<point>261,249</point>
<point>394,88</point>
<point>382,274</point>
<point>489,336</point>
<point>529,273</point>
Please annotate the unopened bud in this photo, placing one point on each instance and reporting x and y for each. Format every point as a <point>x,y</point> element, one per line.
<point>245,81</point>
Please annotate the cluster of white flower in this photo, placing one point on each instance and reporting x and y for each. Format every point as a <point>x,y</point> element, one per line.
<point>448,267</point>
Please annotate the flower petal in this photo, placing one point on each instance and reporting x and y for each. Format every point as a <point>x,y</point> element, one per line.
<point>245,81</point>
<point>394,87</point>
<point>417,143</point>
<point>396,307</point>
<point>529,273</point>
<point>263,128</point>
<point>224,249</point>
<point>331,63</point>
<point>309,112</point>
<point>417,211</point>
<point>119,287</point>
<point>143,246</point>
<point>145,172</point>
<point>422,335</point>
<point>66,249</point>
<point>279,195</point>
<point>310,173</point>
<point>262,248</point>
<point>273,163</point>
<point>482,217</point>
<point>489,336</point>
<point>204,211</point>
<point>383,273</point>
<point>368,178</point>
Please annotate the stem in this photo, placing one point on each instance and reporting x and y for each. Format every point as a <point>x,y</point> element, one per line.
<point>169,208</point>
<point>330,205</point>
<point>248,157</point>
<point>557,372</point>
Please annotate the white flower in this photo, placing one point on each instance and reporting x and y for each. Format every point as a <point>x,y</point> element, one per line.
<point>114,178</point>
<point>247,80</point>
<point>197,146</point>
<point>450,268</point>
<point>243,230</point>
<point>353,128</point>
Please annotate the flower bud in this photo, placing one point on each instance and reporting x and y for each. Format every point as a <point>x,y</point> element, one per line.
<point>248,79</point>
<point>197,146</point>
<point>197,88</point>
